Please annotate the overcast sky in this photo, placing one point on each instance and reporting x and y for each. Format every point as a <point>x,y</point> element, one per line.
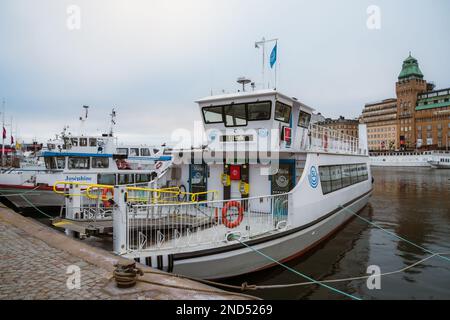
<point>151,59</point>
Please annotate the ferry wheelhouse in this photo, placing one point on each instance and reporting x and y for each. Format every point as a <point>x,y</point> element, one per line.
<point>266,179</point>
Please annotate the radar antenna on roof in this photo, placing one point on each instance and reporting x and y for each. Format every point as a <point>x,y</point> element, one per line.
<point>243,81</point>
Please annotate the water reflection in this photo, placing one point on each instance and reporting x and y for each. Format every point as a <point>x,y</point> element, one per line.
<point>413,203</point>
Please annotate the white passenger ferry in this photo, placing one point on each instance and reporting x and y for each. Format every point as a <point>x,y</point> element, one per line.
<point>267,180</point>
<point>401,159</point>
<point>440,160</point>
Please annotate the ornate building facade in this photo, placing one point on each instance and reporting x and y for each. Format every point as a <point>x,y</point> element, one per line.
<point>419,116</point>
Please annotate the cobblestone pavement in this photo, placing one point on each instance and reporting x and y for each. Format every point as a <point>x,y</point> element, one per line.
<point>32,269</point>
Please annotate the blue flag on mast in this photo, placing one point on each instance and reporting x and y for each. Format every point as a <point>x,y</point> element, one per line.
<point>273,55</point>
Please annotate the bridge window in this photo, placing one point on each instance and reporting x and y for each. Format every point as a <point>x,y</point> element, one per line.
<point>75,142</point>
<point>100,163</point>
<point>213,114</point>
<point>235,115</point>
<point>134,152</point>
<point>145,152</point>
<point>60,162</point>
<point>282,112</point>
<point>83,142</point>
<point>123,151</point>
<point>303,119</point>
<point>92,142</point>
<point>78,162</point>
<point>259,111</point>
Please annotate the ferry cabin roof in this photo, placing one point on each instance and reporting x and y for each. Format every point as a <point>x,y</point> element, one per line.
<point>245,116</point>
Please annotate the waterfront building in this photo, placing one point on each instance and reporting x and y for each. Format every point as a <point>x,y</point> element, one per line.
<point>433,119</point>
<point>343,125</point>
<point>418,118</point>
<point>381,120</point>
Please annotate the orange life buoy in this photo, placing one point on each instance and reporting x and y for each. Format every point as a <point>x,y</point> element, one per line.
<point>235,223</point>
<point>105,197</point>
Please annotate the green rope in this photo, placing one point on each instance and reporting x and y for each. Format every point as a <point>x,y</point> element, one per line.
<point>395,235</point>
<point>36,208</point>
<point>299,273</point>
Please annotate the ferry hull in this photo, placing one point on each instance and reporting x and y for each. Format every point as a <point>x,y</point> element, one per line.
<point>232,261</point>
<point>31,198</point>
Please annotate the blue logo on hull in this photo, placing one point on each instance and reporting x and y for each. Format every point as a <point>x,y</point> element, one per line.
<point>313,177</point>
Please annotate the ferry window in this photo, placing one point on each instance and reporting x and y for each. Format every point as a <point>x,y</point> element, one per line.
<point>303,119</point>
<point>145,152</point>
<point>134,152</point>
<point>75,142</point>
<point>142,178</point>
<point>122,151</point>
<point>78,162</point>
<point>155,151</point>
<point>49,163</point>
<point>336,178</point>
<point>83,142</point>
<point>346,176</point>
<point>126,178</point>
<point>325,179</point>
<point>108,179</point>
<point>212,114</point>
<point>98,162</point>
<point>282,112</point>
<point>362,172</point>
<point>51,146</point>
<point>354,173</point>
<point>60,162</point>
<point>259,111</point>
<point>92,142</point>
<point>235,115</point>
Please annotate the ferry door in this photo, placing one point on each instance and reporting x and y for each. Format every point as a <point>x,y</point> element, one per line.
<point>284,180</point>
<point>198,178</point>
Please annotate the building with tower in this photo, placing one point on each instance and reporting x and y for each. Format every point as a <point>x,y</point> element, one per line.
<point>418,118</point>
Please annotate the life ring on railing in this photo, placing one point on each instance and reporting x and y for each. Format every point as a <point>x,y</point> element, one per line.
<point>158,165</point>
<point>325,140</point>
<point>235,223</point>
<point>105,197</point>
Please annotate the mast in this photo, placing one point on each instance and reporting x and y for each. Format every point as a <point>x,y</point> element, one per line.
<point>262,44</point>
<point>113,121</point>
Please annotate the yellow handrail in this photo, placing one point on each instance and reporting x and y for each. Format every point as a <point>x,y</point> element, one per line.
<point>173,192</point>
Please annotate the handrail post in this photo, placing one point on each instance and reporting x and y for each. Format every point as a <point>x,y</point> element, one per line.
<point>120,217</point>
<point>73,203</point>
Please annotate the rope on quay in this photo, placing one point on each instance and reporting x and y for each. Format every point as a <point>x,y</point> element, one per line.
<point>126,277</point>
<point>440,255</point>
<point>24,198</point>
<point>320,283</point>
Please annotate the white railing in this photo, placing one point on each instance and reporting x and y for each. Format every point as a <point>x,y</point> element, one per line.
<point>155,227</point>
<point>323,139</point>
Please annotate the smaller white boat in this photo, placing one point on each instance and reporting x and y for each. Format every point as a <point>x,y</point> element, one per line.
<point>401,159</point>
<point>440,160</point>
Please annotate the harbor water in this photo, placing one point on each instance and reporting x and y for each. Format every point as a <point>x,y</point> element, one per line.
<point>413,203</point>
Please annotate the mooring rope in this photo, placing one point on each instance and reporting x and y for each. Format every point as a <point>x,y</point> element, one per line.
<point>36,208</point>
<point>298,272</point>
<point>396,235</point>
